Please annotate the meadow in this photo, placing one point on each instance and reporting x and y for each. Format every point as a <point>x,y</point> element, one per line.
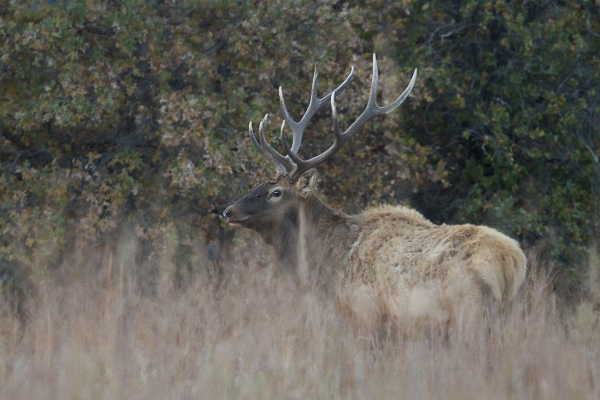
<point>94,332</point>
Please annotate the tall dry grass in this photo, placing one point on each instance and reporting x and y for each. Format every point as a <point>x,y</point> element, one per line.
<point>258,336</point>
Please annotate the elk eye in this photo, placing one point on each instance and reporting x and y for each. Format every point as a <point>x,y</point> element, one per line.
<point>276,193</point>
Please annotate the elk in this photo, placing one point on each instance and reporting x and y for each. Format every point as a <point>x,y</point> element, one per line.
<point>386,264</point>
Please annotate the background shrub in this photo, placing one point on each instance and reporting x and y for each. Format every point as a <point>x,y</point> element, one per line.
<point>134,113</point>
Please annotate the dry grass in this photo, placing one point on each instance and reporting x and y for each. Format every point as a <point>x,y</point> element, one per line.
<point>259,337</point>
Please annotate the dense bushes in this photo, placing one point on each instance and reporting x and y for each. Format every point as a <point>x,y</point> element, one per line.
<point>137,111</point>
<point>513,114</point>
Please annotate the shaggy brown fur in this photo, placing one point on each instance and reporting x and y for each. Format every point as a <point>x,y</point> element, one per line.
<point>388,263</point>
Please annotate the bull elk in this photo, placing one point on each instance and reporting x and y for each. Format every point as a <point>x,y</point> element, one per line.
<point>388,263</point>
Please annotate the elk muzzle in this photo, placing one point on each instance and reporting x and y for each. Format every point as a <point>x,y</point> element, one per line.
<point>232,216</point>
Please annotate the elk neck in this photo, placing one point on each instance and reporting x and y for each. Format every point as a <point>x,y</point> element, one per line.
<point>313,236</point>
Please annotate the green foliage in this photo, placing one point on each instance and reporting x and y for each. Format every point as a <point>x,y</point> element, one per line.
<point>510,106</point>
<point>116,111</point>
<point>137,110</point>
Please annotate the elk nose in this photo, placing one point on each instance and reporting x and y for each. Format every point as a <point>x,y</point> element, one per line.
<point>227,213</point>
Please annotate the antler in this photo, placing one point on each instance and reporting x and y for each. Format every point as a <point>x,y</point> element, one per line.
<point>283,164</point>
<point>293,166</point>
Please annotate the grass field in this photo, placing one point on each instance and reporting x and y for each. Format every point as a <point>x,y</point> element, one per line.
<point>98,336</point>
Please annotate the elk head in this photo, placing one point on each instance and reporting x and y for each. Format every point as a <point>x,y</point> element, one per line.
<point>272,206</point>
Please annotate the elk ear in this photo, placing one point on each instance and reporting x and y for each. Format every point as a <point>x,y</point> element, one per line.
<point>307,182</point>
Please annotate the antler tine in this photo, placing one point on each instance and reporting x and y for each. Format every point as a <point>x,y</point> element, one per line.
<point>283,164</point>
<point>253,138</point>
<point>371,110</point>
<point>305,165</point>
<point>314,104</point>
